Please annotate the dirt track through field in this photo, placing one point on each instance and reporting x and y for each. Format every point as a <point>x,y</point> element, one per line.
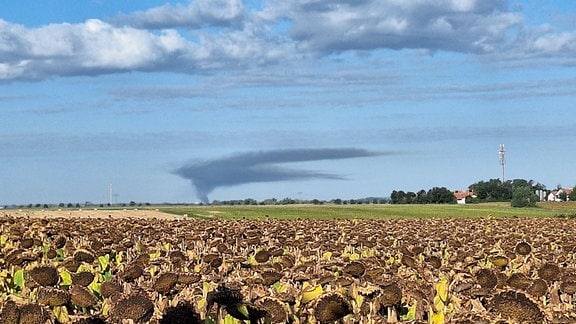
<point>93,213</point>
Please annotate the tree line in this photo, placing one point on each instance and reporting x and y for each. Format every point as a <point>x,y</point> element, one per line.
<point>519,192</point>
<point>436,195</point>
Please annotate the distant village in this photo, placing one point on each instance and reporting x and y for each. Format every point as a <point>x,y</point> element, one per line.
<point>558,195</point>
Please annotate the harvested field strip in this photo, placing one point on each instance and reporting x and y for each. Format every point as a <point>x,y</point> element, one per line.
<point>373,211</point>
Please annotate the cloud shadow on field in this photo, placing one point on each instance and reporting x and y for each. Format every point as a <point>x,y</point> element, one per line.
<point>262,166</point>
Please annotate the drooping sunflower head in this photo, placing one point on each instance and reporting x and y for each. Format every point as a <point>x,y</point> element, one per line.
<point>276,310</point>
<point>568,284</point>
<point>271,276</point>
<point>165,282</point>
<point>519,281</point>
<point>45,275</point>
<point>83,278</point>
<point>135,307</point>
<point>52,297</point>
<point>486,278</point>
<point>549,272</point>
<point>183,313</point>
<point>132,272</point>
<point>355,269</point>
<point>523,248</point>
<point>110,289</point>
<point>10,313</point>
<point>331,307</point>
<point>262,256</point>
<point>32,314</point>
<point>539,288</point>
<point>82,297</point>
<point>516,306</point>
<point>224,295</point>
<point>390,295</point>
<point>83,256</point>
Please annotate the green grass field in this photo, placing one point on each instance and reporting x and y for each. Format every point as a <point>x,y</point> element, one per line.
<point>328,211</point>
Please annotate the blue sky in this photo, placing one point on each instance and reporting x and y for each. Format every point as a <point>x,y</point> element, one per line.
<point>303,99</point>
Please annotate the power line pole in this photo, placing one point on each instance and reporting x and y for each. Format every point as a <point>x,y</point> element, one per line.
<point>110,196</point>
<point>502,152</point>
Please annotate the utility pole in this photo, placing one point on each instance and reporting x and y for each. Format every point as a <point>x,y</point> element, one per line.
<point>110,196</point>
<point>502,152</point>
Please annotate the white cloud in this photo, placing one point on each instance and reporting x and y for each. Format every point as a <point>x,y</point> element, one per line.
<point>196,14</point>
<point>554,43</point>
<point>459,26</point>
<point>218,34</point>
<point>88,48</point>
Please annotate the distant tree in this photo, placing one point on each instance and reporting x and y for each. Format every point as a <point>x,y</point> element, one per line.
<point>398,197</point>
<point>496,190</point>
<point>572,195</point>
<point>422,197</point>
<point>440,195</point>
<point>409,198</point>
<point>524,197</point>
<point>250,201</point>
<point>287,201</point>
<point>394,199</point>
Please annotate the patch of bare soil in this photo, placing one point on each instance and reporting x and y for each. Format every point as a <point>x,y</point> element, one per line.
<point>93,213</point>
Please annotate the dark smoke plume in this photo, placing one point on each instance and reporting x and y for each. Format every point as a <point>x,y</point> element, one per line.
<point>261,166</point>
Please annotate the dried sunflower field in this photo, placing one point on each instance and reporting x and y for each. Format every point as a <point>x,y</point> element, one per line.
<point>427,270</point>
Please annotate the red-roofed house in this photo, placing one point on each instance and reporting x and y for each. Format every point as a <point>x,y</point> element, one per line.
<point>462,195</point>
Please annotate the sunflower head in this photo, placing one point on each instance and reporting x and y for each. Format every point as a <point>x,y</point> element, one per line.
<point>83,256</point>
<point>355,269</point>
<point>10,313</point>
<point>110,288</point>
<point>539,288</point>
<point>331,307</point>
<point>82,297</point>
<point>519,281</point>
<point>132,272</point>
<point>516,306</point>
<point>271,276</point>
<point>523,248</point>
<point>390,295</point>
<point>183,313</point>
<point>33,313</point>
<point>136,307</point>
<point>486,278</point>
<point>165,282</point>
<point>52,297</point>
<point>83,278</point>
<point>549,272</point>
<point>262,256</point>
<point>276,310</point>
<point>45,275</point>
